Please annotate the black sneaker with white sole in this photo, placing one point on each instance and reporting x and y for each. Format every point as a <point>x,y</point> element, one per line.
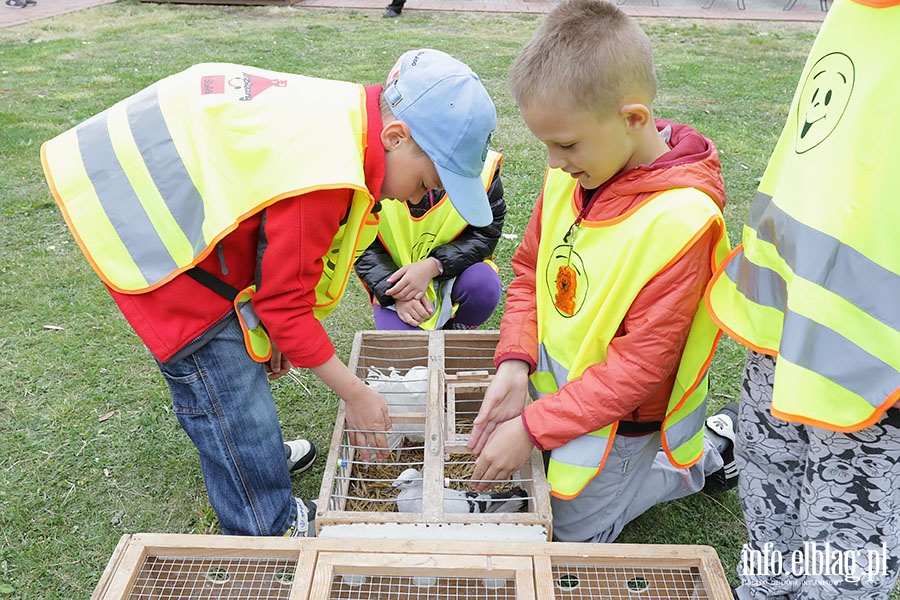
<point>722,427</point>
<point>299,454</point>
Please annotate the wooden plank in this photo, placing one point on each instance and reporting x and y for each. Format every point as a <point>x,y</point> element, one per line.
<point>714,579</point>
<point>111,567</point>
<point>128,565</point>
<point>433,467</point>
<point>543,578</point>
<point>305,573</point>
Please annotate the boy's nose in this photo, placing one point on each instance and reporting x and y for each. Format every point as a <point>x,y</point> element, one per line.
<point>555,160</point>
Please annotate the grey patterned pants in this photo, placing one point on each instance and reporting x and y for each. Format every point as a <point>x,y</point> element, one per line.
<point>822,508</point>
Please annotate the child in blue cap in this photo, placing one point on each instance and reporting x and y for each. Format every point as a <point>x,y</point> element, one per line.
<point>430,269</point>
<point>224,207</point>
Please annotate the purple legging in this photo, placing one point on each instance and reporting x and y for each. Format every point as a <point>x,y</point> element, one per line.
<point>476,290</point>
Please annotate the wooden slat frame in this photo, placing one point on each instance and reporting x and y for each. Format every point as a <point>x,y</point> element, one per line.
<point>318,559</point>
<point>415,348</point>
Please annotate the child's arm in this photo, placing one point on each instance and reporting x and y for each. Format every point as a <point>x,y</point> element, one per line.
<point>297,233</point>
<point>509,449</point>
<point>518,327</point>
<point>504,399</point>
<point>474,244</point>
<point>373,268</point>
<point>367,417</point>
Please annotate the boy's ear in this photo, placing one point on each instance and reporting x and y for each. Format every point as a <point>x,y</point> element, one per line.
<point>637,116</point>
<point>393,134</point>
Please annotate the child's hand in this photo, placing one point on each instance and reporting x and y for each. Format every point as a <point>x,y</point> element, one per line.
<point>503,400</point>
<point>410,281</point>
<point>413,312</point>
<point>506,451</point>
<point>278,365</point>
<point>367,421</point>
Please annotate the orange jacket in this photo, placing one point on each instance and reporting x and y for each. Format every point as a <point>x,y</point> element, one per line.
<point>635,381</point>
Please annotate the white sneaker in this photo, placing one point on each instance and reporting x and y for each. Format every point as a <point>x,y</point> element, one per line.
<point>299,454</point>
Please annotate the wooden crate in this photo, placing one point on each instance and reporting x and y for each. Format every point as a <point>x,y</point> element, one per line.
<point>450,371</point>
<point>169,566</point>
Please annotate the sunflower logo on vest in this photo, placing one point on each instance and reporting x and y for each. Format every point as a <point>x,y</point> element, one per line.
<point>823,99</point>
<point>566,280</point>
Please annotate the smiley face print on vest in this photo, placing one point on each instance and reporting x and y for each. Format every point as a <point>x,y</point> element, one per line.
<point>823,99</point>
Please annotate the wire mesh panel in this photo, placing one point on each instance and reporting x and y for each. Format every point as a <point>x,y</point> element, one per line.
<point>169,577</point>
<point>621,582</point>
<point>168,566</point>
<point>392,587</point>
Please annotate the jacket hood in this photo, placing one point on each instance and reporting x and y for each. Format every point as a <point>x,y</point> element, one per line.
<point>693,161</point>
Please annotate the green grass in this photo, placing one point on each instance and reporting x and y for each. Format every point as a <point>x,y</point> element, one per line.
<point>89,447</point>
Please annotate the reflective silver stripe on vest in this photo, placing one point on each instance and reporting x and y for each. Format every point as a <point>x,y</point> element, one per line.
<point>119,201</point>
<point>769,287</point>
<point>148,126</point>
<point>546,364</point>
<point>118,198</point>
<point>584,451</point>
<point>681,432</point>
<point>853,277</point>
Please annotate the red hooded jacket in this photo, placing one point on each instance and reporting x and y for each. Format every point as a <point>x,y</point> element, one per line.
<point>633,384</point>
<point>295,234</point>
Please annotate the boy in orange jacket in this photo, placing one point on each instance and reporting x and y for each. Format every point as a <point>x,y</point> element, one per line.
<point>604,324</point>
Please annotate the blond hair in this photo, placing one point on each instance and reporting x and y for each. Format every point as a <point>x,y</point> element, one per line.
<point>588,55</point>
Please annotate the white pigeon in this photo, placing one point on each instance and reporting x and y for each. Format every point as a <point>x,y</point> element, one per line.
<point>455,501</point>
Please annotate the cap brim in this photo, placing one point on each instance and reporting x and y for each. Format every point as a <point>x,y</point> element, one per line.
<point>468,197</point>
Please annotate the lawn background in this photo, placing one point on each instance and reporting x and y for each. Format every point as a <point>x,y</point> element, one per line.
<point>89,447</point>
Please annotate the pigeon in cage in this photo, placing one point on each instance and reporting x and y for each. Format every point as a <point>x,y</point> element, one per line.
<point>403,393</point>
<point>411,486</point>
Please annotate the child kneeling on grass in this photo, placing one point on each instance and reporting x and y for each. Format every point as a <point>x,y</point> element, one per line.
<point>604,322</point>
<point>430,269</point>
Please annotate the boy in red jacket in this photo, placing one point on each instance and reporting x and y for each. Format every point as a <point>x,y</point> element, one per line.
<point>604,324</point>
<point>224,207</point>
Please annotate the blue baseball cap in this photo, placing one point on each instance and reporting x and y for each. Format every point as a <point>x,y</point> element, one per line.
<point>451,117</point>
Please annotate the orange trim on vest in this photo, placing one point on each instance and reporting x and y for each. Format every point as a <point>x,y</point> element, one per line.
<point>889,402</point>
<point>877,3</point>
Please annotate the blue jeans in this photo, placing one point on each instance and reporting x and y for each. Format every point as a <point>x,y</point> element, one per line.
<point>223,401</point>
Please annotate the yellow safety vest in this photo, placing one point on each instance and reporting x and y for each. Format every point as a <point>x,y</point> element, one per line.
<point>587,281</point>
<point>816,281</point>
<point>410,239</point>
<point>150,185</point>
